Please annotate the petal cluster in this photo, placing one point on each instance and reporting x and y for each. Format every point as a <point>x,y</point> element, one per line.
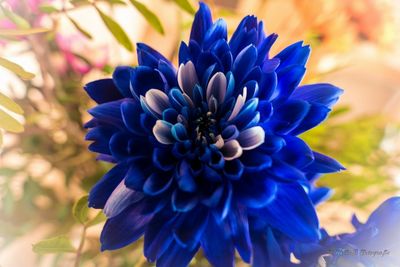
<point>208,154</point>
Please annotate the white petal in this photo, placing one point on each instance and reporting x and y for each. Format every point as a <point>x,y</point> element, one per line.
<point>231,150</point>
<point>157,100</point>
<point>120,198</point>
<point>219,141</point>
<point>187,77</point>
<point>238,105</point>
<point>217,87</point>
<point>251,138</point>
<point>212,104</point>
<point>162,132</point>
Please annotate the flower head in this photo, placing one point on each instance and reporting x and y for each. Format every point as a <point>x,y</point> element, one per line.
<point>208,155</point>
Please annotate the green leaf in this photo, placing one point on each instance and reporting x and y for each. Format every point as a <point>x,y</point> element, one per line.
<point>17,69</point>
<point>58,244</point>
<point>9,104</point>
<point>116,30</point>
<point>99,218</point>
<point>79,28</point>
<point>18,20</point>
<point>19,32</point>
<point>10,124</point>
<point>185,5</point>
<point>80,210</point>
<point>48,9</point>
<point>148,15</point>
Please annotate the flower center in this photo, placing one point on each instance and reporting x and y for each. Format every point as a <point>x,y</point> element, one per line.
<point>205,128</point>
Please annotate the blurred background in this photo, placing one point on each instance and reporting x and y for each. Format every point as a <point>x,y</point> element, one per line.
<point>50,49</point>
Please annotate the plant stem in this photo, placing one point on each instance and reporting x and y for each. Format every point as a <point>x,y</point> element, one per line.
<point>80,248</point>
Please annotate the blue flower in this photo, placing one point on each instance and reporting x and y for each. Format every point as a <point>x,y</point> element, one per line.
<point>375,243</point>
<point>208,155</point>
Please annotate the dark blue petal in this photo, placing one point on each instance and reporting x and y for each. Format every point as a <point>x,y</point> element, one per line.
<point>216,32</point>
<point>222,209</point>
<point>185,177</point>
<point>272,143</point>
<point>293,213</point>
<point>176,256</point>
<point>315,116</point>
<point>183,201</point>
<point>256,160</point>
<point>217,244</point>
<point>288,116</point>
<point>240,232</point>
<point>266,110</point>
<point>295,54</point>
<point>102,190</point>
<point>233,169</point>
<point>103,91</point>
<point>144,78</point>
<point>191,227</point>
<point>147,56</point>
<point>285,171</point>
<point>320,93</point>
<point>267,85</point>
<point>244,62</point>
<point>255,191</point>
<point>244,35</point>
<point>124,228</point>
<point>202,22</point>
<point>139,170</point>
<point>119,146</point>
<point>101,136</point>
<point>319,194</point>
<point>288,79</point>
<point>163,159</point>
<point>296,152</point>
<point>264,47</point>
<point>158,235</point>
<point>108,113</point>
<point>130,112</point>
<point>122,79</point>
<point>157,183</point>
<point>179,132</point>
<point>184,53</point>
<point>323,164</point>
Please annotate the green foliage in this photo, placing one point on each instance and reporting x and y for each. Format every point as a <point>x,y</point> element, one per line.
<point>185,5</point>
<point>151,18</point>
<point>116,30</point>
<point>58,244</point>
<point>80,210</point>
<point>15,68</point>
<point>79,28</point>
<point>7,122</point>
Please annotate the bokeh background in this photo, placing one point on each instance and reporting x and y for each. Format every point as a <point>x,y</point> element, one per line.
<point>50,49</point>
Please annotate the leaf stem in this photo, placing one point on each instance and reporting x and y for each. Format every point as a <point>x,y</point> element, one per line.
<point>80,248</point>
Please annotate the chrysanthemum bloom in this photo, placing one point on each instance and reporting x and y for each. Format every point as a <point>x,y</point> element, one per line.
<point>374,243</point>
<point>208,155</point>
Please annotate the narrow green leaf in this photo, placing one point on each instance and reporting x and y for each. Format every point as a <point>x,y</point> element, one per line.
<point>80,210</point>
<point>100,217</point>
<point>79,28</point>
<point>48,9</point>
<point>17,69</point>
<point>116,30</point>
<point>58,244</point>
<point>18,20</point>
<point>9,104</point>
<point>10,124</point>
<point>19,32</point>
<point>148,15</point>
<point>185,5</point>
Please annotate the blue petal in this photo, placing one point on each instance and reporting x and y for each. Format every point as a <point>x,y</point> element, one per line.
<point>202,22</point>
<point>157,183</point>
<point>288,79</point>
<point>320,194</point>
<point>147,56</point>
<point>216,32</point>
<point>103,91</point>
<point>144,78</point>
<point>109,113</point>
<point>266,110</point>
<point>264,47</point>
<point>244,35</point>
<point>244,62</point>
<point>179,132</point>
<point>130,112</point>
<point>295,54</point>
<point>158,235</point>
<point>285,171</point>
<point>122,79</point>
<point>222,209</point>
<point>293,213</point>
<point>138,172</point>
<point>124,228</point>
<point>191,227</point>
<point>163,160</point>
<point>272,143</point>
<point>119,146</point>
<point>296,152</point>
<point>288,116</point>
<point>217,244</point>
<point>240,232</point>
<point>323,164</point>
<point>315,116</point>
<point>256,192</point>
<point>176,256</point>
<point>233,169</point>
<point>183,201</point>
<point>256,160</point>
<point>102,190</point>
<point>101,136</point>
<point>320,93</point>
<point>184,53</point>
